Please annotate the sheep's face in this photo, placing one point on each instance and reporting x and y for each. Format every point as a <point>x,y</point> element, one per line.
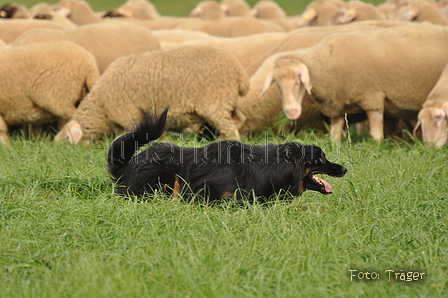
<point>434,124</point>
<point>71,132</point>
<point>292,80</point>
<point>234,8</point>
<point>63,11</point>
<point>207,10</point>
<point>267,10</point>
<point>320,13</point>
<point>64,7</point>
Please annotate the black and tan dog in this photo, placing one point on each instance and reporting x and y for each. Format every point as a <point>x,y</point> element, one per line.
<point>218,170</point>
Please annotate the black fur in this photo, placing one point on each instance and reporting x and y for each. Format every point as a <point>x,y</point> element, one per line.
<point>217,170</point>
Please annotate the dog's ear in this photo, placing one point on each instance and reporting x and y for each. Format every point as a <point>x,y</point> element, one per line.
<point>287,151</point>
<point>294,152</point>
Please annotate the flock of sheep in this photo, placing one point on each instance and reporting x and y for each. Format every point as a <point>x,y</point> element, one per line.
<point>228,65</point>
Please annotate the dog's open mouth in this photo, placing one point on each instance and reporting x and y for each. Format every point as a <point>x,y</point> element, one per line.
<point>324,186</point>
<point>312,182</point>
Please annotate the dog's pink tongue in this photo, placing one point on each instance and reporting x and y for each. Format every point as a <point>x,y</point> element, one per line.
<point>327,186</point>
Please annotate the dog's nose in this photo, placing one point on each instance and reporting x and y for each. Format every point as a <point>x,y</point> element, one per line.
<point>344,170</point>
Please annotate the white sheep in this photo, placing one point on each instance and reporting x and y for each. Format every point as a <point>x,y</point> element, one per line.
<point>174,36</point>
<point>81,13</point>
<point>200,84</point>
<point>140,9</point>
<point>43,82</point>
<point>57,18</point>
<point>355,11</point>
<point>267,9</point>
<point>18,11</point>
<point>257,112</point>
<point>433,117</point>
<point>388,10</point>
<point>245,48</point>
<point>422,11</point>
<point>143,13</point>
<point>231,27</point>
<point>270,10</point>
<point>41,8</point>
<point>10,29</point>
<point>443,6</point>
<point>320,13</point>
<point>207,10</point>
<point>303,38</point>
<point>362,72</point>
<point>14,11</point>
<point>106,41</point>
<point>235,8</point>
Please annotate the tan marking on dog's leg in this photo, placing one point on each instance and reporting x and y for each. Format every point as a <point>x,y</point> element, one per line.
<point>176,187</point>
<point>227,195</point>
<point>302,187</point>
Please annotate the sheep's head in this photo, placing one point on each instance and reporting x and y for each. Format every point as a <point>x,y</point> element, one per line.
<point>234,8</point>
<point>346,15</point>
<point>305,19</point>
<point>71,132</point>
<point>64,8</point>
<point>207,10</point>
<point>293,80</point>
<point>267,10</point>
<point>320,13</point>
<point>433,119</point>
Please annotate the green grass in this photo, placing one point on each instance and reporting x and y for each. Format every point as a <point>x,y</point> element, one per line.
<point>64,233</point>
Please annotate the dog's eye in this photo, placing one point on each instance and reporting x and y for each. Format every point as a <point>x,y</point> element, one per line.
<point>322,160</point>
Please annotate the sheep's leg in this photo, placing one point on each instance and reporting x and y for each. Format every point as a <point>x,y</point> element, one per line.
<point>337,125</point>
<point>375,118</point>
<point>3,132</point>
<point>225,125</point>
<point>240,118</point>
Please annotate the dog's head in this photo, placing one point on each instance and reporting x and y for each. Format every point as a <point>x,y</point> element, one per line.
<point>311,161</point>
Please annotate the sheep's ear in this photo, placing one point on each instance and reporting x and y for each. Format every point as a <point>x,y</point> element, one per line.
<point>267,83</point>
<point>307,17</point>
<point>347,15</point>
<point>196,12</point>
<point>224,8</point>
<point>409,14</point>
<point>445,109</point>
<point>252,13</point>
<point>303,75</point>
<point>74,132</point>
<point>416,128</point>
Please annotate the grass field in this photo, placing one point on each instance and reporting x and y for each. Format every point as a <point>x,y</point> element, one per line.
<point>64,233</point>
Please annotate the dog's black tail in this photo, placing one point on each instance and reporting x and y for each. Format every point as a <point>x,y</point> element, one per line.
<point>124,147</point>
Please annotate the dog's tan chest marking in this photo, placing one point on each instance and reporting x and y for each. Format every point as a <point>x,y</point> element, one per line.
<point>302,187</point>
<point>176,187</point>
<point>227,194</point>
